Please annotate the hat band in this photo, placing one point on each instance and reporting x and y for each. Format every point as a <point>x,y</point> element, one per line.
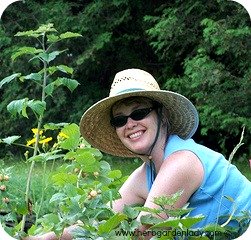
<point>130,90</point>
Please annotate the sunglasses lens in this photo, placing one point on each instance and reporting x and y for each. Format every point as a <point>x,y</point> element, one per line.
<point>118,121</point>
<point>139,114</point>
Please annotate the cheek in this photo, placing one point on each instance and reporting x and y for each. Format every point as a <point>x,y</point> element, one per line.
<point>119,132</point>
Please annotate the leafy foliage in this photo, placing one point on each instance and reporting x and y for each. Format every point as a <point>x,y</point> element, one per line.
<point>85,185</point>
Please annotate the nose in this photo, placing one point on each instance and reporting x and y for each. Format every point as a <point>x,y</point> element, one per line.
<point>131,123</point>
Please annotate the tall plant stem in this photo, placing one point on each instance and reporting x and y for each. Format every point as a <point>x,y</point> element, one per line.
<point>40,120</point>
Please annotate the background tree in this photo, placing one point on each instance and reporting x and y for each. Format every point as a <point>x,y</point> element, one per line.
<point>198,48</point>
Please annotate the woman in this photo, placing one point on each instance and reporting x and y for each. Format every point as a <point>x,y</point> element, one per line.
<point>140,120</point>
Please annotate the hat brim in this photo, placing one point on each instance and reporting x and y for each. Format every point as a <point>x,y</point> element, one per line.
<point>96,129</point>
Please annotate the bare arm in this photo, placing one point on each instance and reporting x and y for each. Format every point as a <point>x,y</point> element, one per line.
<point>133,191</point>
<point>52,236</point>
<point>180,171</point>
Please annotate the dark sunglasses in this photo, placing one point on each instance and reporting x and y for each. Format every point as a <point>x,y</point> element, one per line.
<point>136,115</point>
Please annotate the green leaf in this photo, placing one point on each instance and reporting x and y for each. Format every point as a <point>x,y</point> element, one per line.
<point>71,84</point>
<point>17,106</point>
<point>63,178</point>
<point>9,79</point>
<point>37,158</point>
<point>115,174</point>
<point>69,35</point>
<point>54,126</point>
<point>25,50</point>
<point>10,140</point>
<point>58,197</point>
<point>45,28</point>
<point>42,157</point>
<point>111,223</point>
<point>149,219</point>
<point>187,222</point>
<point>65,69</point>
<point>52,38</point>
<point>37,106</point>
<point>34,76</point>
<point>168,200</point>
<point>84,157</point>
<point>72,131</point>
<point>130,212</point>
<point>30,33</point>
<point>49,88</point>
<point>48,57</point>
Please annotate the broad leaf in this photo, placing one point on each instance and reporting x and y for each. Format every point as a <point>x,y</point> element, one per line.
<point>9,79</point>
<point>115,174</point>
<point>54,126</point>
<point>111,223</point>
<point>49,88</point>
<point>25,50</point>
<point>34,76</point>
<point>187,222</point>
<point>71,84</point>
<point>72,131</point>
<point>37,106</point>
<point>52,38</point>
<point>58,197</point>
<point>63,178</point>
<point>10,140</point>
<point>30,33</point>
<point>65,69</point>
<point>18,106</point>
<point>47,57</point>
<point>69,35</point>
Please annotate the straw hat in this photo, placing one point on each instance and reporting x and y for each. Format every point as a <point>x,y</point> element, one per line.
<point>95,123</point>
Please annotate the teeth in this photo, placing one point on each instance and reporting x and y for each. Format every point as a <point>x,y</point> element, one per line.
<point>135,135</point>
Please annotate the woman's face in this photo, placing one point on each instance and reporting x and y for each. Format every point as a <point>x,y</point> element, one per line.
<point>136,135</point>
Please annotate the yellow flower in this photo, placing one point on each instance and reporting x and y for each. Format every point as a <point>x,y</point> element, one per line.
<point>30,142</point>
<point>35,131</point>
<point>63,135</point>
<point>46,140</point>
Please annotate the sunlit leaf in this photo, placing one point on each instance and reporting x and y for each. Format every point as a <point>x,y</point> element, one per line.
<point>115,174</point>
<point>58,197</point>
<point>63,178</point>
<point>47,57</point>
<point>72,131</point>
<point>10,140</point>
<point>25,50</point>
<point>71,84</point>
<point>9,79</point>
<point>65,69</point>
<point>52,38</point>
<point>34,76</point>
<point>111,223</point>
<point>69,35</point>
<point>37,106</point>
<point>17,106</point>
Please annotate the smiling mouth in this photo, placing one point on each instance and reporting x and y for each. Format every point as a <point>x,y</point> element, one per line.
<point>135,135</point>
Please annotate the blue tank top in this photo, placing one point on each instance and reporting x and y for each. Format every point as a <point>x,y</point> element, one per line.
<point>220,179</point>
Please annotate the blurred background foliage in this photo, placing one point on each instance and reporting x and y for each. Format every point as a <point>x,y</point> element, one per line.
<point>199,48</point>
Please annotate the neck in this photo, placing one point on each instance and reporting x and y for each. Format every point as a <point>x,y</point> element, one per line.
<point>157,155</point>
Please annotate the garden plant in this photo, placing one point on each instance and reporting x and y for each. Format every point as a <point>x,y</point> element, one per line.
<point>84,184</point>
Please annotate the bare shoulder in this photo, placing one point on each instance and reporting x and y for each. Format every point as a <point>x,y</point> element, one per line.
<point>185,166</point>
<point>183,158</point>
<point>137,179</point>
<point>133,191</point>
<point>136,184</point>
